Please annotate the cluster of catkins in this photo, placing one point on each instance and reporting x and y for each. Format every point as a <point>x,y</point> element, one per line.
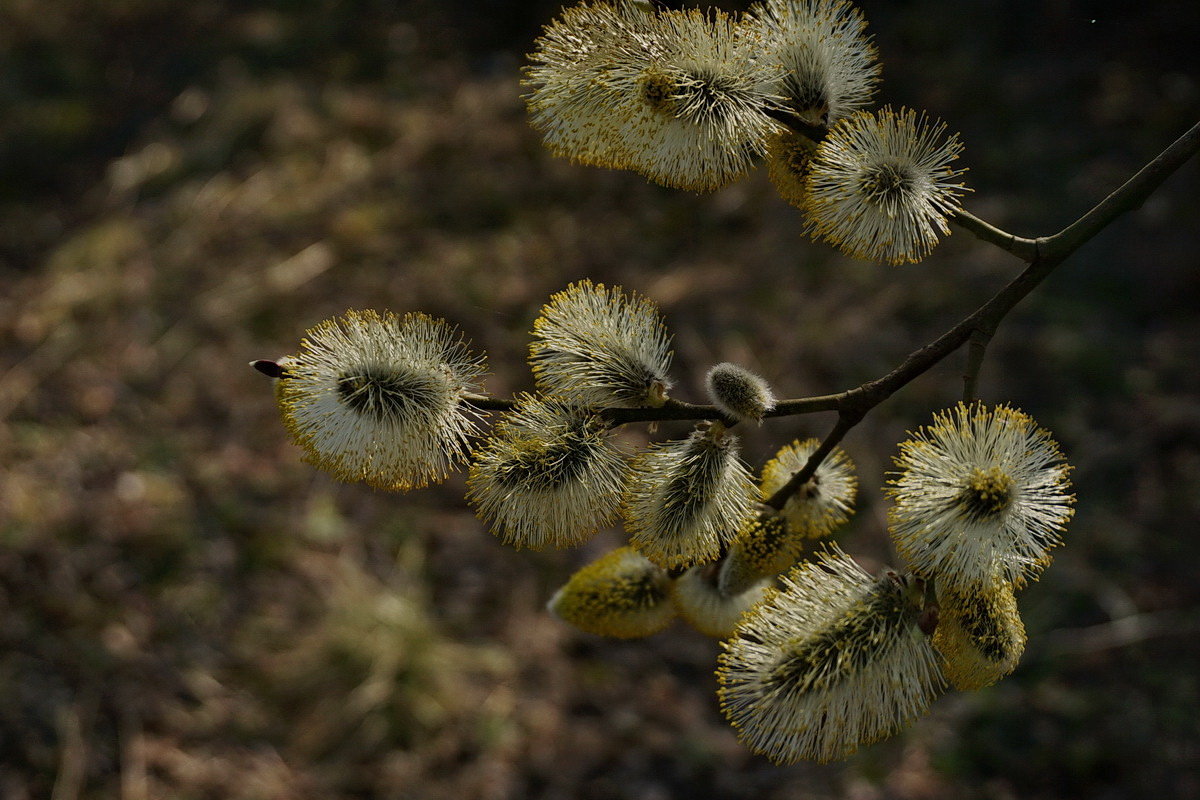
<point>820,657</point>
<point>815,663</point>
<point>693,99</point>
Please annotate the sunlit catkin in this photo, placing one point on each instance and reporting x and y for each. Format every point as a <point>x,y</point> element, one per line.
<point>687,499</point>
<point>597,346</point>
<point>764,547</point>
<point>881,187</point>
<point>825,502</point>
<point>621,594</point>
<point>694,117</point>
<point>574,98</point>
<point>980,495</point>
<point>548,477</point>
<point>379,398</point>
<point>979,634</point>
<point>833,661</point>
<point>678,96</point>
<point>830,67</point>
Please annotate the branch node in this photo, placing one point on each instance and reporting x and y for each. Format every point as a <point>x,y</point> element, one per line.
<point>980,337</point>
<point>1040,247</point>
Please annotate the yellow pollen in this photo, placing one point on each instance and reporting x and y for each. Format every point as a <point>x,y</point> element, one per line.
<point>659,92</point>
<point>988,492</point>
<point>885,181</point>
<point>797,151</point>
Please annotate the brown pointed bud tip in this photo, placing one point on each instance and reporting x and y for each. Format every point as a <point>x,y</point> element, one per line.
<point>908,583</point>
<point>928,620</point>
<point>272,369</point>
<point>816,116</point>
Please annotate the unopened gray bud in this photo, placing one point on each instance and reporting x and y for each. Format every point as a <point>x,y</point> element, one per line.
<point>739,393</point>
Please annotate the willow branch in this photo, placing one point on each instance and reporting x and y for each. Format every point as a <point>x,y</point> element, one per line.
<point>1128,197</point>
<point>854,404</point>
<point>676,409</point>
<point>845,422</point>
<point>1024,249</point>
<point>679,410</point>
<point>1048,253</point>
<point>1043,254</point>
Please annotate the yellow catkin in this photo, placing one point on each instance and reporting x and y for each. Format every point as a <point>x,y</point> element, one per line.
<point>621,594</point>
<point>788,157</point>
<point>981,495</point>
<point>687,499</point>
<point>979,635</point>
<point>548,477</point>
<point>826,501</point>
<point>832,661</point>
<point>881,186</point>
<point>830,67</point>
<point>765,547</point>
<point>680,96</point>
<point>375,397</point>
<point>600,346</point>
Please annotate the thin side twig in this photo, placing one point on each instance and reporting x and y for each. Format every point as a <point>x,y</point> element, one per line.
<point>976,350</point>
<point>1048,253</point>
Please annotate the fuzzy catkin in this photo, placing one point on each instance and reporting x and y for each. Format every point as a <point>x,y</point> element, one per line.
<point>549,476</point>
<point>598,346</point>
<point>826,501</point>
<point>378,398</point>
<point>738,392</point>
<point>980,495</point>
<point>830,67</point>
<point>764,547</point>
<point>706,608</point>
<point>680,96</point>
<point>881,187</point>
<point>621,595</point>
<point>687,499</point>
<point>833,661</point>
<point>979,634</point>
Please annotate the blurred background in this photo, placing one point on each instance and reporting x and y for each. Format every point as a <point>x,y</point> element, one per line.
<point>189,611</point>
